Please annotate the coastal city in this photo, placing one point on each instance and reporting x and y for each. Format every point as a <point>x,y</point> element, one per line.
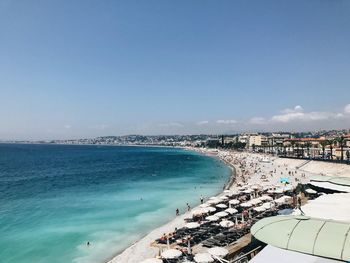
<point>187,131</point>
<point>328,145</point>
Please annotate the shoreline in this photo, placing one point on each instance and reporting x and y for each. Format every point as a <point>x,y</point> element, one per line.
<point>177,222</point>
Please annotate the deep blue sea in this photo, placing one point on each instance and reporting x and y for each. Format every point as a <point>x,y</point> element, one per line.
<point>55,198</point>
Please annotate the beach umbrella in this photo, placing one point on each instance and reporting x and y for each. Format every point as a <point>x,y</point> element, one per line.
<point>227,191</point>
<point>247,204</point>
<point>152,260</point>
<point>248,191</point>
<point>255,187</point>
<point>266,198</point>
<point>233,202</point>
<point>255,201</point>
<point>211,209</point>
<point>214,201</point>
<point>218,252</point>
<point>204,205</point>
<point>226,223</point>
<point>231,211</point>
<point>224,197</point>
<point>192,225</point>
<point>212,218</point>
<point>259,209</point>
<point>171,253</point>
<point>198,212</point>
<point>221,214</point>
<point>203,258</point>
<point>268,205</point>
<point>221,206</point>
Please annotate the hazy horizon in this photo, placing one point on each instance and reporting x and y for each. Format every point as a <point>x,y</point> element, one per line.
<point>82,69</point>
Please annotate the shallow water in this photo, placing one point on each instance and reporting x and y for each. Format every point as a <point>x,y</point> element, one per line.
<point>55,198</point>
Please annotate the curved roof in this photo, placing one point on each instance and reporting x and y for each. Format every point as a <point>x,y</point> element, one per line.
<point>345,181</point>
<point>325,238</point>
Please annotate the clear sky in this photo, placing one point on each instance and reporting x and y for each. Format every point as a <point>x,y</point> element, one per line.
<point>71,69</point>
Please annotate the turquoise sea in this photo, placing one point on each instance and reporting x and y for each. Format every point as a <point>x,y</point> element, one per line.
<point>55,198</point>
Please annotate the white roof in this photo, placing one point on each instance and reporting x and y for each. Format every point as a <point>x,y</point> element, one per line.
<point>332,206</point>
<point>331,186</point>
<point>273,254</point>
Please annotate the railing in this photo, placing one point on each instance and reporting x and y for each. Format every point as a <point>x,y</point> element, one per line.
<point>316,159</point>
<point>246,255</point>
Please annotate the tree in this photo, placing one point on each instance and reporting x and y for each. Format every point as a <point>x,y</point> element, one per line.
<point>341,141</point>
<point>292,144</point>
<point>323,144</point>
<point>331,143</point>
<point>308,146</point>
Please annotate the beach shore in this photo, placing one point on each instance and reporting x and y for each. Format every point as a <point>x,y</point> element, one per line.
<point>246,167</point>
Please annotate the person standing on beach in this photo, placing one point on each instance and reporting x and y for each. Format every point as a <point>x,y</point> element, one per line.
<point>202,199</point>
<point>188,207</point>
<point>177,212</point>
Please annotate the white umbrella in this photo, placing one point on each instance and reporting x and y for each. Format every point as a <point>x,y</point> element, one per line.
<point>203,205</point>
<point>212,218</point>
<point>268,205</point>
<point>192,225</point>
<point>247,204</point>
<point>221,214</point>
<point>255,187</point>
<point>171,253</point>
<point>231,211</point>
<point>224,197</point>
<point>218,251</point>
<point>259,209</point>
<point>227,191</point>
<point>211,209</point>
<point>203,258</point>
<point>255,201</point>
<point>214,201</point>
<point>221,206</point>
<point>226,223</point>
<point>198,212</point>
<point>266,198</point>
<point>248,191</point>
<point>152,260</point>
<point>233,202</point>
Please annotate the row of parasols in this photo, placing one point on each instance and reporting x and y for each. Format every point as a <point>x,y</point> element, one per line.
<point>210,256</point>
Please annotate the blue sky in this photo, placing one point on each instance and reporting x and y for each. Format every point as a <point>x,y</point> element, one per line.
<point>71,69</point>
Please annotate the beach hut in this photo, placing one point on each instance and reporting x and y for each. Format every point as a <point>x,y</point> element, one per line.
<point>152,260</point>
<point>171,254</point>
<point>203,258</point>
<point>218,252</point>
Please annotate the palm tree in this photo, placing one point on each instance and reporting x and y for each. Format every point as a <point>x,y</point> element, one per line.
<point>323,144</point>
<point>308,146</point>
<point>292,144</point>
<point>331,143</point>
<point>341,141</point>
